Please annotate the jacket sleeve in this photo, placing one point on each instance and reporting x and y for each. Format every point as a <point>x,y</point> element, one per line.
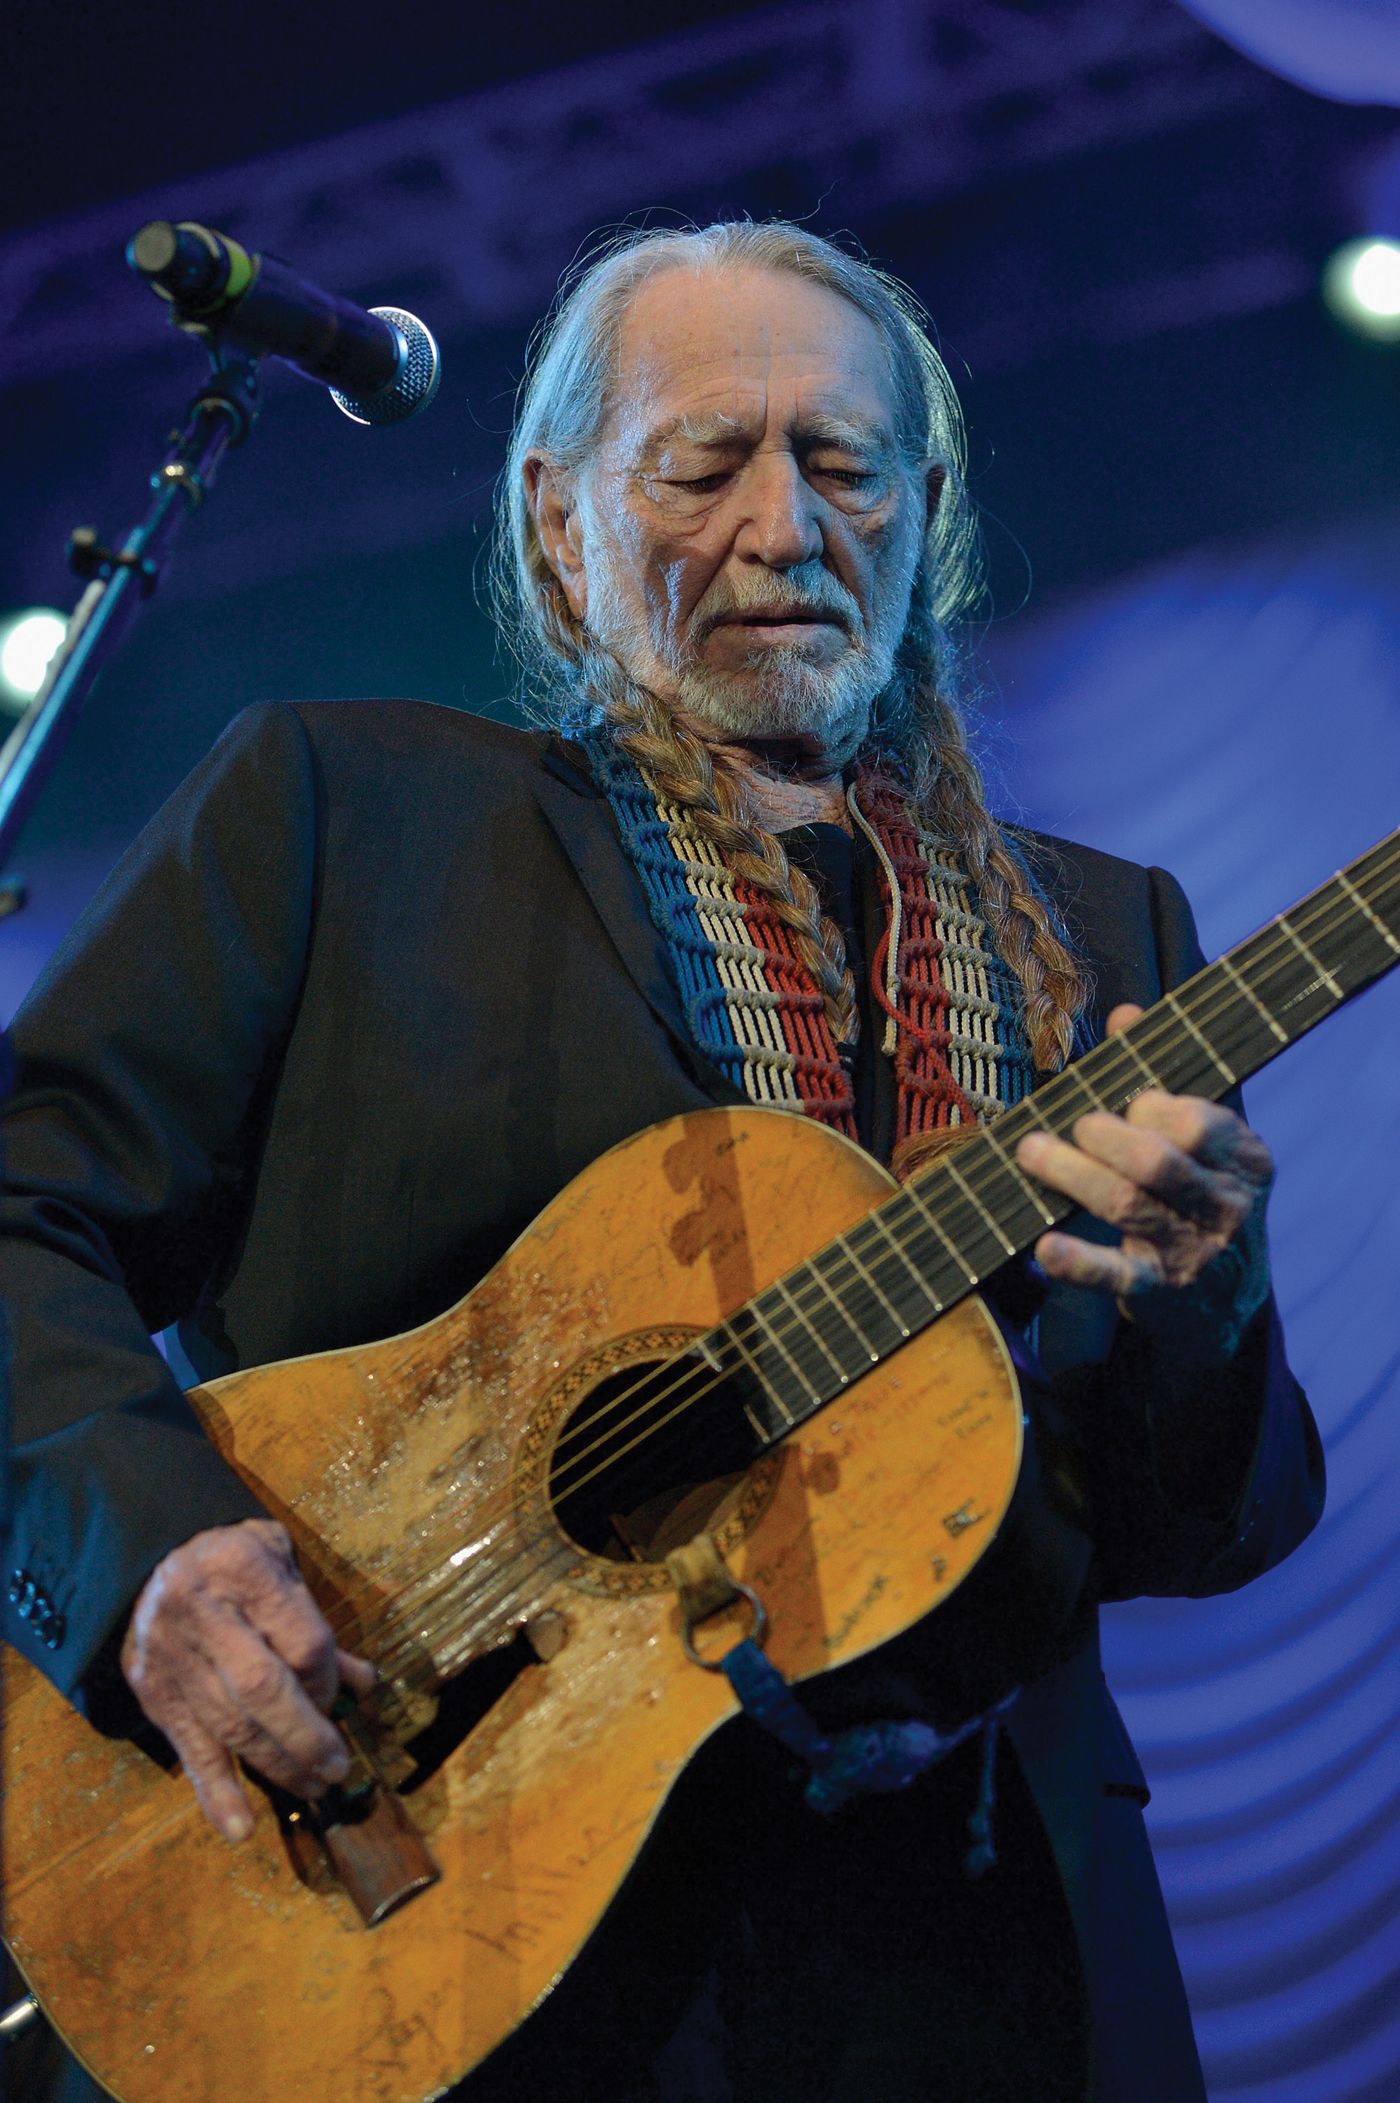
<point>144,1057</point>
<point>1200,1459</point>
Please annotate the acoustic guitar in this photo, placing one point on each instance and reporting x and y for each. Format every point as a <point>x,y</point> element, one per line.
<point>742,1283</point>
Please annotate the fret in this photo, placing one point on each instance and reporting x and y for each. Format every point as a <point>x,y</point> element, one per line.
<point>857,1265</point>
<point>1324,975</point>
<point>1173,1055</point>
<point>834,1324</point>
<point>845,1313</point>
<point>1346,925</point>
<point>912,1191</point>
<point>775,1342</point>
<point>1252,997</point>
<point>747,1351</point>
<point>971,1195</point>
<point>765,1433</point>
<point>931,1304</point>
<point>1284,979</point>
<point>1149,1053</point>
<point>1048,1111</point>
<point>1077,1075</point>
<point>1299,990</point>
<point>713,1355</point>
<point>877,1320</point>
<point>798,1371</point>
<point>818,1339</point>
<point>1206,1046</point>
<point>1377,923</point>
<point>1376,876</point>
<point>1083,1077</point>
<point>781,1419</point>
<point>1028,1188</point>
<point>709,1349</point>
<point>1027,1116</point>
<point>1125,1040</point>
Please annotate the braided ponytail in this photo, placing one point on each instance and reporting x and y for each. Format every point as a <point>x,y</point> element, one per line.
<point>683,767</point>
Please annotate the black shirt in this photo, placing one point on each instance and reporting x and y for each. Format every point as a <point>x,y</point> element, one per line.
<point>847,879</point>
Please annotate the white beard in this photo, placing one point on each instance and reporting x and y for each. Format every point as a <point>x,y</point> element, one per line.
<point>781,693</point>
<point>786,696</point>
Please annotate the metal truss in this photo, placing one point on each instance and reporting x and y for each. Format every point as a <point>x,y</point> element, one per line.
<point>470,210</point>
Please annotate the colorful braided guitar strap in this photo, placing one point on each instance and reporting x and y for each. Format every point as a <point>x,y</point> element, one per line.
<point>954,1010</point>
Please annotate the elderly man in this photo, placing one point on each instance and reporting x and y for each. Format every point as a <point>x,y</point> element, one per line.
<point>381,977</point>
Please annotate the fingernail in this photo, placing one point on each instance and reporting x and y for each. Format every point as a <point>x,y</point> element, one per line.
<point>237,1825</point>
<point>334,1769</point>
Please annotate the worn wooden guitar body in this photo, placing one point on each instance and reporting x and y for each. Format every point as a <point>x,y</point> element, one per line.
<point>423,1478</point>
<point>181,1969</point>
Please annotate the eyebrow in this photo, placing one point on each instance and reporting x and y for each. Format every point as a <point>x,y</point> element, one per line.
<point>850,434</point>
<point>716,430</point>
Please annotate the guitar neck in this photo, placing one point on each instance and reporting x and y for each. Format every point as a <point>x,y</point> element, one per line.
<point>825,1324</point>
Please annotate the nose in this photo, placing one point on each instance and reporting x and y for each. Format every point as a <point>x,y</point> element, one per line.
<point>783,526</point>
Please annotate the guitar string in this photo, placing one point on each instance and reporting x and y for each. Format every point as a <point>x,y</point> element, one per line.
<point>499,1596</point>
<point>461,1601</point>
<point>530,1567</point>
<point>793,1328</point>
<point>456,1637</point>
<point>1278,941</point>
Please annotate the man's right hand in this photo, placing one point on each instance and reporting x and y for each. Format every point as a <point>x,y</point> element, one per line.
<point>229,1655</point>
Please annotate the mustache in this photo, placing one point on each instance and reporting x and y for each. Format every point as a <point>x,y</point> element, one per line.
<point>814,594</point>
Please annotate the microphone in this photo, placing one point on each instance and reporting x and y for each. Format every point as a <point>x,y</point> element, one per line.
<point>381,365</point>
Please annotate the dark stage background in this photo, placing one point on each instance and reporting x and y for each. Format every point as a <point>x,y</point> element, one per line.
<point>1189,480</point>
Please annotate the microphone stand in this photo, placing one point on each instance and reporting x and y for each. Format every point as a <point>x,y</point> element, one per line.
<point>243,308</point>
<point>121,580</point>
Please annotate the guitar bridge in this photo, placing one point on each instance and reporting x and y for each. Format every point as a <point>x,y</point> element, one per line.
<point>364,1833</point>
<point>378,1853</point>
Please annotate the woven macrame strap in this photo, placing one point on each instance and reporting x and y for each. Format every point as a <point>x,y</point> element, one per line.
<point>956,1034</point>
<point>870,1759</point>
<point>960,1048</point>
<point>751,1006</point>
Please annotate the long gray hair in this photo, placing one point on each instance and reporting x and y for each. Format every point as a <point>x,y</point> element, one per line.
<point>917,733</point>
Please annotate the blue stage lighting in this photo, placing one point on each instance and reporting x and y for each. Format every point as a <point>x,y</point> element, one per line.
<point>27,642</point>
<point>1361,284</point>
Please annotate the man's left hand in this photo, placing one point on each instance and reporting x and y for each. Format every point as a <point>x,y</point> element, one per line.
<point>1179,1177</point>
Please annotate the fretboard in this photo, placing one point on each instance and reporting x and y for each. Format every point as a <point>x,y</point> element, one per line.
<point>825,1324</point>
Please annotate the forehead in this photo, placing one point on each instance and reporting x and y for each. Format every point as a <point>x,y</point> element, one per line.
<point>758,346</point>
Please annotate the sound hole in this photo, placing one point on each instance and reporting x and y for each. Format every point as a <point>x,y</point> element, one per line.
<point>636,1462</point>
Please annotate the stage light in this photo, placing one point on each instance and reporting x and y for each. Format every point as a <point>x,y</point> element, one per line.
<point>1361,285</point>
<point>27,642</point>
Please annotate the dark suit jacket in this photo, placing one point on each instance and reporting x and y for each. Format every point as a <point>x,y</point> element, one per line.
<point>370,989</point>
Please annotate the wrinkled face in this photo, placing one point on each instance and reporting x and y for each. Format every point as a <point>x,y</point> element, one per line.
<point>744,537</point>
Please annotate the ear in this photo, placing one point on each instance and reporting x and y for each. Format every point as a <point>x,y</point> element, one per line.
<point>550,495</point>
<point>934,479</point>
